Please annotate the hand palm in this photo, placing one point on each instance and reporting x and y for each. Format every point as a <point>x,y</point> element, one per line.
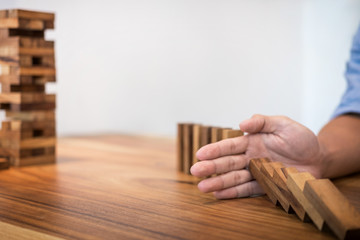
<point>278,138</point>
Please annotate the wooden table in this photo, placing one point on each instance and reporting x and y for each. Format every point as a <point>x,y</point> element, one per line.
<point>127,187</point>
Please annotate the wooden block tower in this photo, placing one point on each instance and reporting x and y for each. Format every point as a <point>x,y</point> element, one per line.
<point>27,63</point>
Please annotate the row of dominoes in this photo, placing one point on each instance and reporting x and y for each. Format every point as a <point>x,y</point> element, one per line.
<point>27,63</point>
<point>191,137</point>
<point>311,199</point>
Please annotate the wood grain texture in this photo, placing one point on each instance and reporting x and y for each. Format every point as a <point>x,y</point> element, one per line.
<point>280,181</point>
<point>262,179</point>
<point>296,183</point>
<point>187,147</point>
<point>333,206</point>
<point>196,142</point>
<point>127,187</point>
<point>180,147</point>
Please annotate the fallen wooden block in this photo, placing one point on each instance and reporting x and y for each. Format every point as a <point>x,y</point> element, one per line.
<point>255,166</point>
<point>333,206</point>
<point>296,183</point>
<point>268,170</point>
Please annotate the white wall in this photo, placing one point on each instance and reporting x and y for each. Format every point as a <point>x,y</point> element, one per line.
<point>328,29</point>
<point>141,66</point>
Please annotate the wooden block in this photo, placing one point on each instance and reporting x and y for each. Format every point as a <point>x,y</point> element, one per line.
<point>231,133</point>
<point>205,135</point>
<point>25,24</point>
<point>32,115</point>
<point>216,134</point>
<point>180,147</point>
<point>40,142</point>
<point>19,13</point>
<point>334,207</point>
<point>47,71</point>
<point>296,183</point>
<point>4,163</point>
<point>27,98</point>
<point>27,161</point>
<point>28,107</point>
<point>268,170</point>
<point>288,170</point>
<point>196,142</point>
<point>255,169</point>
<point>24,88</point>
<point>187,147</point>
<point>280,181</point>
<point>35,80</point>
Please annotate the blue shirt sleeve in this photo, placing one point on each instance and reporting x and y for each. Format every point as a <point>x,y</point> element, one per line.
<point>350,102</point>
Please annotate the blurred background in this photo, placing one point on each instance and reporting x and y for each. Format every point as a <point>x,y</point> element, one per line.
<point>141,66</point>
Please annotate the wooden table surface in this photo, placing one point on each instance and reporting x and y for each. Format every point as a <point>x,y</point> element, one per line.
<point>127,187</point>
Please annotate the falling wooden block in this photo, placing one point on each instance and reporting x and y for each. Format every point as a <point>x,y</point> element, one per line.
<point>255,169</point>
<point>280,181</point>
<point>296,183</point>
<point>334,207</point>
<point>268,170</point>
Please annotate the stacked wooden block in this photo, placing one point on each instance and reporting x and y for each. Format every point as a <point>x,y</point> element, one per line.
<point>27,63</point>
<point>191,137</point>
<point>310,198</point>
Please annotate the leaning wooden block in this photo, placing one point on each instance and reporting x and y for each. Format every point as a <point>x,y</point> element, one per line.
<point>280,181</point>
<point>255,169</point>
<point>268,170</point>
<point>296,183</point>
<point>338,213</point>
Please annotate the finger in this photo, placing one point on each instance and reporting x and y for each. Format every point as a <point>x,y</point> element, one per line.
<point>219,165</point>
<point>224,181</point>
<point>225,147</point>
<point>260,123</point>
<point>244,190</point>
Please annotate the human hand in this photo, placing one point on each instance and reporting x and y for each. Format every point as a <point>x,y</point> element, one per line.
<point>275,137</point>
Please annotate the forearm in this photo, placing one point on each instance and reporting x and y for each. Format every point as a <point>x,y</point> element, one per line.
<point>340,144</point>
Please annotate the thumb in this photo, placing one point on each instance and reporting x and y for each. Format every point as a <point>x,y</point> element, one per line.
<point>260,124</point>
